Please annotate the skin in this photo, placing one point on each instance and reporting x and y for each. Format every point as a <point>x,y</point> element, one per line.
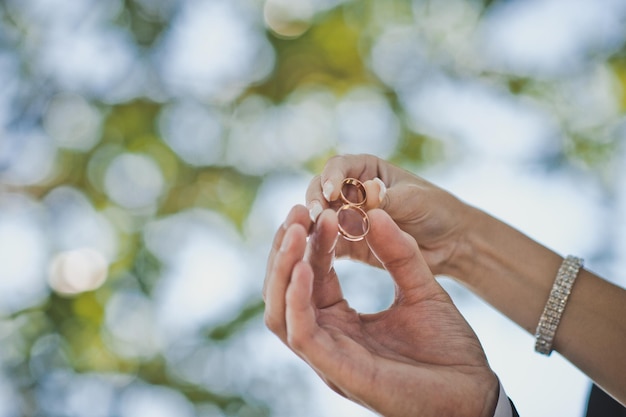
<point>418,357</point>
<point>499,263</point>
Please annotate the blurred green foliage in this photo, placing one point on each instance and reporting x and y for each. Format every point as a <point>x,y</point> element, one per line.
<point>331,53</point>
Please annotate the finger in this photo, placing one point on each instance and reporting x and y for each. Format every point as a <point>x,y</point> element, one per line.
<point>361,167</point>
<point>375,191</point>
<point>399,253</point>
<point>316,203</point>
<point>297,214</point>
<point>395,198</point>
<point>407,192</point>
<point>358,251</point>
<point>304,335</point>
<point>328,355</point>
<point>320,255</point>
<point>289,254</point>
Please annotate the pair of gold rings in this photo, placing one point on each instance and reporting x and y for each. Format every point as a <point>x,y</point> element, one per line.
<point>352,219</point>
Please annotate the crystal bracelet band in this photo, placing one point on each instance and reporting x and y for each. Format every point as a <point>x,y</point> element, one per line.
<point>551,316</point>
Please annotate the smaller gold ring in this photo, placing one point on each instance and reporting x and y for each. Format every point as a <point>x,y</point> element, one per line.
<point>360,188</point>
<point>364,218</point>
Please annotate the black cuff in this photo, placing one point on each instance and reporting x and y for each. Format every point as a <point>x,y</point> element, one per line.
<point>513,409</point>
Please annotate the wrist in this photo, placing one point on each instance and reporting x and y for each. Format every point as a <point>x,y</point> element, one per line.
<point>466,247</point>
<point>492,397</point>
<point>504,267</point>
<point>504,407</point>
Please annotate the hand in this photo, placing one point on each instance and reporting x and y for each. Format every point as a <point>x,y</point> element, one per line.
<point>437,220</point>
<point>419,357</point>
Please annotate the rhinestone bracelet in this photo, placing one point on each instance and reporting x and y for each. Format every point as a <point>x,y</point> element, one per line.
<point>552,312</point>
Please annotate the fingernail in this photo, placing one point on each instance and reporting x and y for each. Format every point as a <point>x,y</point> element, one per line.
<point>327,190</point>
<point>383,189</point>
<point>315,209</point>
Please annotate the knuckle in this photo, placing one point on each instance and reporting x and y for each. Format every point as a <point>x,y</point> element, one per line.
<point>315,183</point>
<point>334,159</point>
<point>271,322</point>
<point>333,164</point>
<point>296,341</point>
<point>400,262</point>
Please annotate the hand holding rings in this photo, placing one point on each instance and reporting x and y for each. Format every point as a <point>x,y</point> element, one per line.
<point>352,219</point>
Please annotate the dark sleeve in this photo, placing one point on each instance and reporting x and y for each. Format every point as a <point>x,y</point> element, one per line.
<point>601,404</point>
<point>513,409</point>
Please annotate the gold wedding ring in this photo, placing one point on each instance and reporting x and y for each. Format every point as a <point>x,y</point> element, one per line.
<point>353,195</point>
<point>353,192</point>
<point>364,224</point>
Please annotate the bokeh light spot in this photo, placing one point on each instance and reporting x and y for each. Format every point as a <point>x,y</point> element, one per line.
<point>367,124</point>
<point>288,19</point>
<point>134,181</point>
<point>72,122</point>
<point>131,322</point>
<point>28,158</point>
<point>193,132</point>
<point>154,401</point>
<point>23,253</point>
<point>76,271</point>
<point>212,51</point>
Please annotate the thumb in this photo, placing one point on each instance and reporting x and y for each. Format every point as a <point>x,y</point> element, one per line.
<point>393,199</point>
<point>398,252</point>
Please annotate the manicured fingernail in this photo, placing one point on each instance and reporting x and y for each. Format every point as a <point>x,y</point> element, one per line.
<point>315,209</point>
<point>383,189</point>
<point>327,190</point>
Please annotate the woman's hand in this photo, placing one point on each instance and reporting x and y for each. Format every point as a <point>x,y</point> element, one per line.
<point>437,220</point>
<point>419,357</point>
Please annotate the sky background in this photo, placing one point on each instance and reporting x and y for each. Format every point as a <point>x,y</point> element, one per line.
<point>150,149</point>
